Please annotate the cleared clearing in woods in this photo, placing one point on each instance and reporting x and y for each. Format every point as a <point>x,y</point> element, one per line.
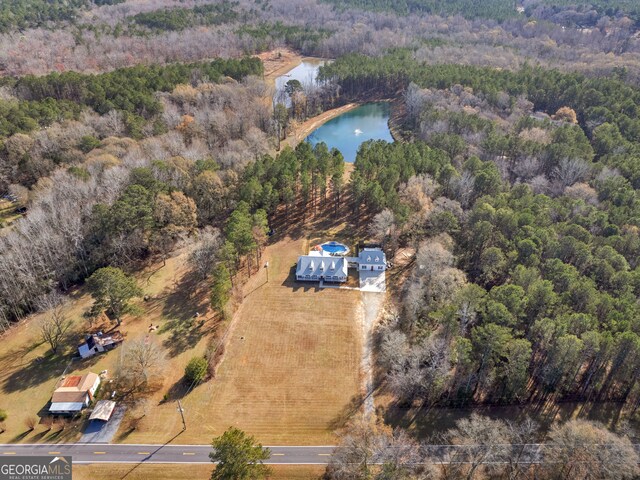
<point>290,372</point>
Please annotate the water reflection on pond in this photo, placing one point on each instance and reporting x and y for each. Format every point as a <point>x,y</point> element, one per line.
<point>305,73</point>
<point>349,130</point>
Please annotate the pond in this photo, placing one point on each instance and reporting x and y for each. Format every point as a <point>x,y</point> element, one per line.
<point>349,130</point>
<point>305,73</point>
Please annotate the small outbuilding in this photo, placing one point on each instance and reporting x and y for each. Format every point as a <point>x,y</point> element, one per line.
<point>73,394</point>
<point>98,343</point>
<point>103,410</point>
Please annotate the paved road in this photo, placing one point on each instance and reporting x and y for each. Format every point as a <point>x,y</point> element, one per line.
<point>293,455</point>
<point>124,453</point>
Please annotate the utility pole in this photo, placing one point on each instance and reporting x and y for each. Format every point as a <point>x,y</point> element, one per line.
<point>184,424</point>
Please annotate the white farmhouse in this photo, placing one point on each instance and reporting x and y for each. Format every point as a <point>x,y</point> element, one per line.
<point>320,266</point>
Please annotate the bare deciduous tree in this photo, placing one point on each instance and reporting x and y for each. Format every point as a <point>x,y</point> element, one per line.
<point>570,171</point>
<point>205,253</point>
<point>587,450</point>
<point>483,441</point>
<point>140,366</point>
<point>372,450</point>
<point>54,327</point>
<point>383,225</point>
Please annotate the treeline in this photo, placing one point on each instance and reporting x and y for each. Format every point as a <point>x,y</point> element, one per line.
<point>266,35</point>
<point>310,176</point>
<point>129,90</point>
<point>21,14</point>
<point>581,13</point>
<point>493,9</point>
<point>177,19</point>
<point>481,447</point>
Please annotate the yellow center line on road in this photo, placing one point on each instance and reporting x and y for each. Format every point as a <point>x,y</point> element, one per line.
<point>54,453</point>
<point>144,453</point>
<point>99,453</point>
<point>324,454</point>
<point>8,453</point>
<point>188,453</point>
<point>278,454</point>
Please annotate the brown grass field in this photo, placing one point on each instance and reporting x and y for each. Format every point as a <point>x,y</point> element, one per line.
<point>184,472</point>
<point>290,373</point>
<point>28,371</point>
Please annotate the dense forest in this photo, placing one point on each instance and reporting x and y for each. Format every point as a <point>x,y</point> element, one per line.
<point>576,13</point>
<point>592,40</point>
<point>513,183</point>
<point>494,9</point>
<point>42,100</point>
<point>21,14</point>
<point>177,19</point>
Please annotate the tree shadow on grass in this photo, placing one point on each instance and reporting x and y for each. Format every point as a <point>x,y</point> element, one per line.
<point>20,436</point>
<point>347,412</point>
<point>153,452</point>
<point>183,335</point>
<point>35,372</point>
<point>177,391</point>
<point>15,358</point>
<point>188,298</point>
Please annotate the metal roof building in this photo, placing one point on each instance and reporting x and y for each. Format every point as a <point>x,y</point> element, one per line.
<point>316,267</point>
<point>74,393</point>
<point>103,410</point>
<point>372,259</point>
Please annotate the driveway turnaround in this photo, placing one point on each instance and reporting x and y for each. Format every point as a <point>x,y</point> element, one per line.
<point>372,281</point>
<point>127,453</point>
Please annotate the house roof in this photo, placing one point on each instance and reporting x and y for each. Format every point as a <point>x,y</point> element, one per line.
<point>104,340</point>
<point>103,410</point>
<point>66,407</point>
<point>324,265</point>
<point>74,388</point>
<point>373,256</point>
<point>61,397</point>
